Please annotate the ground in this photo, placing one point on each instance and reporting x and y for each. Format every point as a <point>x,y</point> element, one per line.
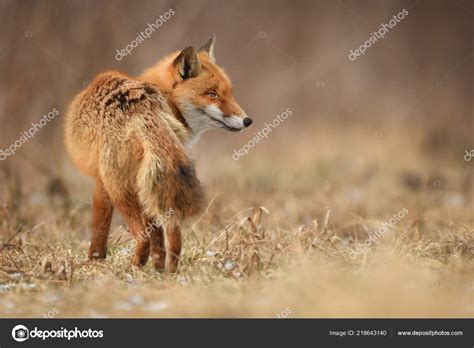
<point>290,231</point>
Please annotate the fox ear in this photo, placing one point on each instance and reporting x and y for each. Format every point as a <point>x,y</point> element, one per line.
<point>187,63</point>
<point>209,48</point>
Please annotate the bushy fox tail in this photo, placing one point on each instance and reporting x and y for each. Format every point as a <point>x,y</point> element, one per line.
<point>166,178</point>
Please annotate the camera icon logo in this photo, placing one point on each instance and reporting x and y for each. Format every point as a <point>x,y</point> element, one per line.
<point>20,333</point>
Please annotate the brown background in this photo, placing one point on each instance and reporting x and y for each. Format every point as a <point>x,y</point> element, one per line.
<point>280,54</point>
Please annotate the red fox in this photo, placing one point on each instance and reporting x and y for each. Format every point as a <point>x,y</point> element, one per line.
<point>133,135</point>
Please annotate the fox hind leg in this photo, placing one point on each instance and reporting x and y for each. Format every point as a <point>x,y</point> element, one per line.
<point>173,246</point>
<point>157,245</point>
<point>131,212</point>
<point>102,212</point>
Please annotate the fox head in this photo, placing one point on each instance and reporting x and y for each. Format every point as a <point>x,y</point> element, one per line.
<point>198,91</point>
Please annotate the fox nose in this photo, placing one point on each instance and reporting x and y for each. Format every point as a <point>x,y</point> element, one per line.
<point>247,121</point>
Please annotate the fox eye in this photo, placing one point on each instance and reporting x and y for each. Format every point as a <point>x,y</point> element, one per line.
<point>211,95</point>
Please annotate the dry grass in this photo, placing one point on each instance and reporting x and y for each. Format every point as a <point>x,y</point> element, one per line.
<point>275,235</point>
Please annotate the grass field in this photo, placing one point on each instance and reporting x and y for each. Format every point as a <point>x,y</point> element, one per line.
<point>275,241</point>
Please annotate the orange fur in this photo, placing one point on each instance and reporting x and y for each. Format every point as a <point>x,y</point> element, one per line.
<point>131,136</point>
<point>164,76</point>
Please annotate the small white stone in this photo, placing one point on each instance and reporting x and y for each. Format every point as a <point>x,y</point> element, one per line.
<point>229,265</point>
<point>156,306</point>
<point>136,299</point>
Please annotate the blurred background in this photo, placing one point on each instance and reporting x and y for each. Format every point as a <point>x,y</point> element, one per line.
<point>279,54</point>
<point>413,85</point>
<point>411,89</point>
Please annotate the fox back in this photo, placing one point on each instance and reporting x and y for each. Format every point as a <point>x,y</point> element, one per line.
<point>122,131</point>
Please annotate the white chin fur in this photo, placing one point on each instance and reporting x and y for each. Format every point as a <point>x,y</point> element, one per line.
<point>212,117</point>
<point>232,121</point>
